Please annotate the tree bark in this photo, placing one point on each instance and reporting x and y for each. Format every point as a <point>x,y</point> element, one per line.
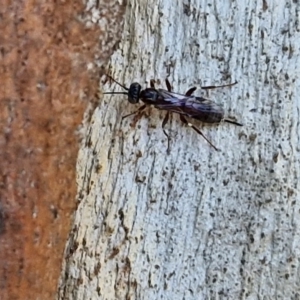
<point>47,80</point>
<point>198,223</point>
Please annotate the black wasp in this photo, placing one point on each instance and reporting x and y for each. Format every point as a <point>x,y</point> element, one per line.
<point>185,105</point>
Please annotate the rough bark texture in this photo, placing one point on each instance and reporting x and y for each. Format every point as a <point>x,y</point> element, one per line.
<point>195,224</point>
<point>46,64</point>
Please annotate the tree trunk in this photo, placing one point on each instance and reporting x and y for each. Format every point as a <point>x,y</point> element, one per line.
<point>46,83</point>
<point>197,223</point>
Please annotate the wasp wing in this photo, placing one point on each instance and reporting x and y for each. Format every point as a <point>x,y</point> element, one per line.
<point>198,108</point>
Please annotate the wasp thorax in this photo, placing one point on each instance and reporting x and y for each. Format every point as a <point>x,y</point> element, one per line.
<point>134,93</point>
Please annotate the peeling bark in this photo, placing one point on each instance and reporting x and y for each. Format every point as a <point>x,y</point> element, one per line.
<point>195,224</point>
<point>47,81</point>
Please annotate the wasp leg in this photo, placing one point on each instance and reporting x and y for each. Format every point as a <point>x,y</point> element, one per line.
<point>233,122</point>
<point>193,89</point>
<point>165,120</point>
<point>218,86</point>
<point>152,83</point>
<point>190,91</point>
<point>137,111</point>
<point>168,84</point>
<point>184,120</point>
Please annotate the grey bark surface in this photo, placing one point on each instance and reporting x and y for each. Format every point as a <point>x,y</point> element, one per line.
<point>195,224</point>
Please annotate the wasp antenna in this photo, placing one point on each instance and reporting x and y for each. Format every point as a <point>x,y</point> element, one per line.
<point>114,93</point>
<point>232,122</point>
<point>124,87</point>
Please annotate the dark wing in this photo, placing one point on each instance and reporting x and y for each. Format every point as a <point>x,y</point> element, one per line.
<point>198,108</point>
<point>170,101</point>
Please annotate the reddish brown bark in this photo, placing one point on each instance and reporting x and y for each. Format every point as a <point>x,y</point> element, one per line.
<point>44,53</point>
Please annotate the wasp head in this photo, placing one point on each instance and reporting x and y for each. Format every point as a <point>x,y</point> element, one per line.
<point>134,93</point>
